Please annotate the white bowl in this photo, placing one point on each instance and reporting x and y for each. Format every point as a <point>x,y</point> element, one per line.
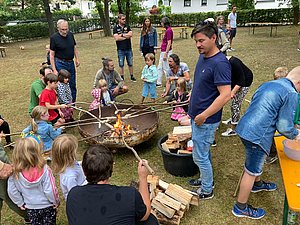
<point>292,149</point>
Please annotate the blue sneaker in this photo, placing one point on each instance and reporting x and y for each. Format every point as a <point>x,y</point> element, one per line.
<point>266,186</point>
<point>249,212</point>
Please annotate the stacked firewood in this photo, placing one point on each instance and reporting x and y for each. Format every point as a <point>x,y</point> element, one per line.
<point>177,140</point>
<point>169,202</point>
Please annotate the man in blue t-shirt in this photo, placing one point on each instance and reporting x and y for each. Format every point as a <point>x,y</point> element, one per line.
<point>211,91</point>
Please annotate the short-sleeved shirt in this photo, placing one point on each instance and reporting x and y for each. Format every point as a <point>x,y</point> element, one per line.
<point>240,74</point>
<point>232,17</point>
<point>63,46</point>
<point>183,67</point>
<point>50,97</point>
<point>168,36</point>
<point>210,73</point>
<point>36,89</point>
<point>125,44</point>
<point>105,204</point>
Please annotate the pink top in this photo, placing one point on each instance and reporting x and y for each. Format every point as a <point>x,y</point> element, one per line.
<point>168,36</point>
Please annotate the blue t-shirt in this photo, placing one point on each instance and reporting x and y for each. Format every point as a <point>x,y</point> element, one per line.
<point>209,74</point>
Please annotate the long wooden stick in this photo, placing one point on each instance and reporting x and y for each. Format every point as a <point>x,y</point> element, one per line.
<point>10,144</point>
<point>12,134</point>
<point>238,184</point>
<point>136,154</point>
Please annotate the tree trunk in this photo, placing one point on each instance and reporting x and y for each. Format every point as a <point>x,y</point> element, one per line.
<point>295,5</point>
<point>104,16</point>
<point>119,3</point>
<point>127,11</point>
<point>49,17</point>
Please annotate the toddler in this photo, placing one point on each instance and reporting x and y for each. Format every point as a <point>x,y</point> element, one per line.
<point>102,96</point>
<point>149,76</point>
<point>40,127</point>
<point>64,94</point>
<point>64,163</point>
<point>180,95</point>
<point>32,185</point>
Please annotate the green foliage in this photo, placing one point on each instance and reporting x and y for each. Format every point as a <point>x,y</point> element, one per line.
<point>135,8</point>
<point>34,30</point>
<point>67,14</point>
<point>165,10</point>
<point>242,4</point>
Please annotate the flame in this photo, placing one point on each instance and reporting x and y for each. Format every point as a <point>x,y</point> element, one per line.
<point>120,126</point>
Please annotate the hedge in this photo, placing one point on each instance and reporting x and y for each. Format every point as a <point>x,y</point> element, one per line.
<point>34,30</point>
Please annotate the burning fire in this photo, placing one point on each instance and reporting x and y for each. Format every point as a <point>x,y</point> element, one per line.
<point>120,126</point>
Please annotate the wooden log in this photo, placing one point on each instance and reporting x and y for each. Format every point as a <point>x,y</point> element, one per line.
<point>167,211</point>
<point>166,200</point>
<point>165,147</point>
<point>163,185</point>
<point>151,179</point>
<point>164,220</point>
<point>179,194</point>
<point>195,198</point>
<point>183,152</point>
<point>182,130</point>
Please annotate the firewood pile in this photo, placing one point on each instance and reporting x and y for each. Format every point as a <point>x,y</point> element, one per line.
<point>169,202</point>
<point>177,141</point>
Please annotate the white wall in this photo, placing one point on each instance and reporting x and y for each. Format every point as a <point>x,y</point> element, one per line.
<point>177,6</point>
<point>269,4</point>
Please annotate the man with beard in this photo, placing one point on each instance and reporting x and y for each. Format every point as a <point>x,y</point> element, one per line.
<point>114,81</point>
<point>62,52</point>
<point>177,69</point>
<point>211,91</point>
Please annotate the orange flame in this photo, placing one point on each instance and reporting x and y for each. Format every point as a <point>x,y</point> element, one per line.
<point>121,127</point>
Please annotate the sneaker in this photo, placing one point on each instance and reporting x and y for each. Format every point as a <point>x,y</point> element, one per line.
<point>249,212</point>
<point>229,50</point>
<point>227,122</point>
<point>270,160</point>
<point>232,49</point>
<point>204,196</point>
<point>214,144</point>
<point>197,183</point>
<point>298,49</point>
<point>132,78</point>
<point>158,85</point>
<point>266,186</point>
<point>122,76</point>
<point>229,132</point>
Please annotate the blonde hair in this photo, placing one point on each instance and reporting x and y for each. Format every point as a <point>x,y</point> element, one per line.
<point>280,72</point>
<point>150,56</point>
<point>182,84</point>
<point>47,46</point>
<point>27,153</point>
<point>64,152</point>
<point>36,114</point>
<point>102,83</point>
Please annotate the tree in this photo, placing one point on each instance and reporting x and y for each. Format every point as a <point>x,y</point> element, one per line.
<point>49,17</point>
<point>129,8</point>
<point>295,5</point>
<point>242,4</point>
<point>103,10</point>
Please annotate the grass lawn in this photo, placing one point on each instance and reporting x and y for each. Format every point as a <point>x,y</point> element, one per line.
<point>260,52</point>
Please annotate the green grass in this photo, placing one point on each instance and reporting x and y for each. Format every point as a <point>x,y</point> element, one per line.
<point>263,54</point>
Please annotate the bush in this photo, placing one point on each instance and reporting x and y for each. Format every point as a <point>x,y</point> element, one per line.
<point>67,14</point>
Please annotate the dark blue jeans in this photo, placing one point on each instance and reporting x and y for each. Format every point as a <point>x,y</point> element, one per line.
<point>68,65</point>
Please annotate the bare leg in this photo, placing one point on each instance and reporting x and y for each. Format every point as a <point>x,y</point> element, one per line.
<point>143,98</point>
<point>130,70</point>
<point>153,100</point>
<point>246,187</point>
<point>122,71</point>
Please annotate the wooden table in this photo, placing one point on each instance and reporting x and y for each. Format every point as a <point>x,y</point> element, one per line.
<point>182,32</point>
<point>271,25</point>
<point>3,51</point>
<point>290,170</point>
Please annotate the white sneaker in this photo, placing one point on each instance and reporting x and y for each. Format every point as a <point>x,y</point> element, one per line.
<point>232,49</point>
<point>229,132</point>
<point>227,122</point>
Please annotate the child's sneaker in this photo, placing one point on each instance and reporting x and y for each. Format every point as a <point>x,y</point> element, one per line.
<point>122,76</point>
<point>270,160</point>
<point>227,122</point>
<point>229,132</point>
<point>249,212</point>
<point>132,78</point>
<point>266,186</point>
<point>204,196</point>
<point>214,144</point>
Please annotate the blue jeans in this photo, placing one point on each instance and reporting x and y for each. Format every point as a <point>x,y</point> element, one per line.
<point>203,136</point>
<point>149,88</point>
<point>68,65</point>
<point>255,158</point>
<point>121,56</point>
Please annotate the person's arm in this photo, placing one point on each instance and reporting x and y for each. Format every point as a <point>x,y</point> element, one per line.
<point>143,187</point>
<point>218,103</point>
<point>54,133</point>
<point>118,79</point>
<point>5,168</point>
<point>52,61</point>
<point>224,41</point>
<point>128,35</point>
<point>229,27</point>
<point>168,86</point>
<point>14,194</point>
<point>58,107</point>
<point>235,90</point>
<point>77,62</point>
<point>69,182</point>
<point>167,50</point>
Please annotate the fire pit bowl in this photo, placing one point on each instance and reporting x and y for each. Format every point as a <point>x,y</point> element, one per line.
<point>177,164</point>
<point>143,125</point>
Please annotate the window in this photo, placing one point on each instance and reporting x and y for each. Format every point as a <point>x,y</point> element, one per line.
<point>187,3</point>
<point>90,5</point>
<point>222,2</point>
<point>203,2</point>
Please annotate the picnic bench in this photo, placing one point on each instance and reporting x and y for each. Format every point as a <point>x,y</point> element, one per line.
<point>182,32</point>
<point>101,32</point>
<point>3,51</point>
<point>271,25</point>
<point>290,170</point>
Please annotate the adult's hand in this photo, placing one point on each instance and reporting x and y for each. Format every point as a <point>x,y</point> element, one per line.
<point>77,63</point>
<point>6,171</point>
<point>200,119</point>
<point>116,91</point>
<point>142,170</point>
<point>165,57</point>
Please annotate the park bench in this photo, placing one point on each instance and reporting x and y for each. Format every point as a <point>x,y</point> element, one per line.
<point>101,32</point>
<point>3,51</point>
